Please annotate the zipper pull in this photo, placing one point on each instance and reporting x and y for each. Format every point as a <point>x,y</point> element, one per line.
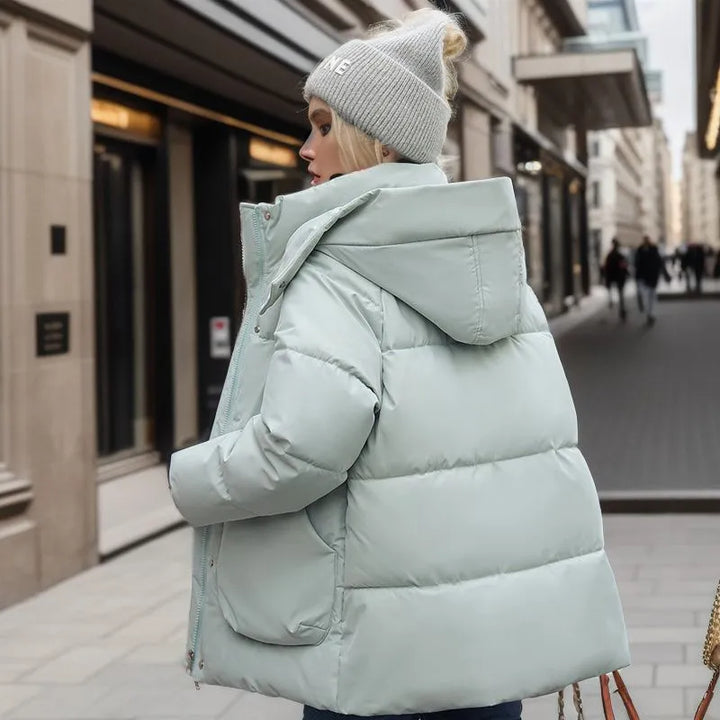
<point>189,663</point>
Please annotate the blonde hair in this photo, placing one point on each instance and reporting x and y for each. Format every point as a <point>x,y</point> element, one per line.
<point>357,149</point>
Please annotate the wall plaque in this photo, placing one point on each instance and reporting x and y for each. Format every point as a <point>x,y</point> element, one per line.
<point>53,333</point>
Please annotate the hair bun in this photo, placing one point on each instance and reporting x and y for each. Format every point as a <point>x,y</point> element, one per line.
<point>455,41</point>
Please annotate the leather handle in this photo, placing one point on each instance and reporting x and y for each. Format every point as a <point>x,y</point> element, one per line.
<point>624,694</point>
<point>606,699</point>
<point>625,697</point>
<point>707,698</point>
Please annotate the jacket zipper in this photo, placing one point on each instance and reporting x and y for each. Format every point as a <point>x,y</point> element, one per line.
<point>205,532</point>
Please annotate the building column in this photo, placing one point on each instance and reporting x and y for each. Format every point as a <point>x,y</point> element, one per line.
<point>47,399</point>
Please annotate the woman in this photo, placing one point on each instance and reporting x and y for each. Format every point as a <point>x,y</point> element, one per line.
<point>394,518</point>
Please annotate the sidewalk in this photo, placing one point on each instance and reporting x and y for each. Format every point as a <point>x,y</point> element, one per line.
<point>108,644</point>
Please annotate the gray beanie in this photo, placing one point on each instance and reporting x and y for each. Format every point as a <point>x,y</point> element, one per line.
<point>391,87</point>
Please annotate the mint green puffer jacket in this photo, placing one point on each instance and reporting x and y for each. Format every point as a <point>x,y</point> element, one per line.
<point>393,515</point>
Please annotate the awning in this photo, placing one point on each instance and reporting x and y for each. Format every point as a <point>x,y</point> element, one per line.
<point>593,90</point>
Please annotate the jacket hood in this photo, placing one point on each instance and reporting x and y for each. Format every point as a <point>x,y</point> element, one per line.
<point>452,252</point>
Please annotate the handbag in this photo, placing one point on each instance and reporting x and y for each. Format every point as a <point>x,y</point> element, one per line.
<point>711,658</point>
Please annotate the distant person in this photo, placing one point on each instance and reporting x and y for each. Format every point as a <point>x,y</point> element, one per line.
<point>649,265</point>
<point>695,266</point>
<point>615,270</point>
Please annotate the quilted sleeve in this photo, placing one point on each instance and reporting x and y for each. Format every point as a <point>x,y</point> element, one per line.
<point>319,405</point>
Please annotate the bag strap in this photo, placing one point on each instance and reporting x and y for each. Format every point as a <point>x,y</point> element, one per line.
<point>622,691</point>
<point>707,698</point>
<point>625,696</point>
<point>608,711</point>
<point>577,702</point>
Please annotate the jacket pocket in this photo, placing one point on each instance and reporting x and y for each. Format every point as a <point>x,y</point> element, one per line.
<point>276,580</point>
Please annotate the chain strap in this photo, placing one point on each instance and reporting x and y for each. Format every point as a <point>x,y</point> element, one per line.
<point>577,702</point>
<point>711,651</point>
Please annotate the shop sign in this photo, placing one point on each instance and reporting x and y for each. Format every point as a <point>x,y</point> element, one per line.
<point>220,346</point>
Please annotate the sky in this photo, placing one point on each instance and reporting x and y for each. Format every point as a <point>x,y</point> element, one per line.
<point>670,27</point>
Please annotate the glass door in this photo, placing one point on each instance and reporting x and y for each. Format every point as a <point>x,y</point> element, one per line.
<point>124,298</point>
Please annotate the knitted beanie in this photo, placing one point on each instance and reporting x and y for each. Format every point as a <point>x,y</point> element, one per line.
<point>391,87</point>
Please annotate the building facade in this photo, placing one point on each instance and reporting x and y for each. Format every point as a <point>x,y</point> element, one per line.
<point>615,191</point>
<point>629,181</point>
<point>656,202</point>
<point>707,64</point>
<point>701,219</point>
<point>129,132</point>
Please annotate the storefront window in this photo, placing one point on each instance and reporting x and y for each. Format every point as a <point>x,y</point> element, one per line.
<point>124,295</point>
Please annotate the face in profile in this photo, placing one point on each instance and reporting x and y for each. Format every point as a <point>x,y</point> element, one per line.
<point>321,150</point>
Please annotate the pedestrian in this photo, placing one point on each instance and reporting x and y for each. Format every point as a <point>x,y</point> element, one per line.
<point>695,264</point>
<point>649,266</point>
<point>393,515</point>
<point>615,270</point>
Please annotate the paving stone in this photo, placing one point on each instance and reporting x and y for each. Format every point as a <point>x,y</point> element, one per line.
<point>131,675</point>
<point>160,653</point>
<point>704,588</point>
<point>665,634</point>
<point>694,652</point>
<point>658,702</point>
<point>76,665</point>
<point>677,572</point>
<point>683,676</point>
<point>29,648</point>
<point>626,572</point>
<point>57,703</point>
<point>12,695</point>
<point>181,702</point>
<point>659,618</point>
<point>154,627</point>
<point>629,588</point>
<point>11,670</point>
<point>38,628</point>
<point>702,617</point>
<point>654,653</point>
<point>695,603</point>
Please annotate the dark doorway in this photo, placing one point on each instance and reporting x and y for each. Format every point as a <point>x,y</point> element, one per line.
<point>125,192</point>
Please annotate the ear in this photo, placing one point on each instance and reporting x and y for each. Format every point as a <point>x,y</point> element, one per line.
<point>389,155</point>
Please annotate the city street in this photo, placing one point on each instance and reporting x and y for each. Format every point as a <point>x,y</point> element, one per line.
<point>109,644</point>
<point>648,399</point>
